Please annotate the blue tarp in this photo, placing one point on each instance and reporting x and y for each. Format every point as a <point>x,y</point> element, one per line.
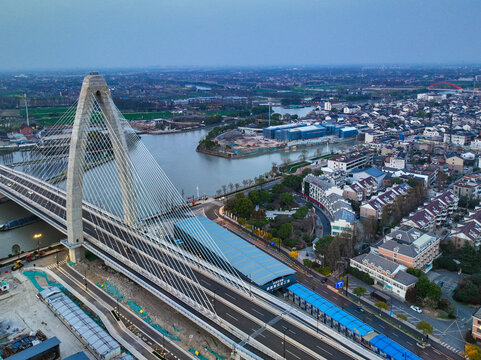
<point>393,349</point>
<point>345,319</point>
<point>244,257</point>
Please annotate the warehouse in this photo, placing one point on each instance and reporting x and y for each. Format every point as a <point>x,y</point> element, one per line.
<point>271,132</point>
<point>253,264</point>
<point>313,131</point>
<point>347,132</point>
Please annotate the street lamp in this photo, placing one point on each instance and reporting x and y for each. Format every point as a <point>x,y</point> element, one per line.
<point>37,237</point>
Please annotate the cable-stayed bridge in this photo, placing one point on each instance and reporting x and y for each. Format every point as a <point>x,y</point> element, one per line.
<point>92,178</point>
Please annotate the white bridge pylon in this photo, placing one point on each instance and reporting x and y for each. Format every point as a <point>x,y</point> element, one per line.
<point>119,199</point>
<point>94,88</point>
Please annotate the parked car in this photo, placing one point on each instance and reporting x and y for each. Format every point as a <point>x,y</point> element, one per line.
<point>324,280</point>
<point>360,309</point>
<point>416,308</point>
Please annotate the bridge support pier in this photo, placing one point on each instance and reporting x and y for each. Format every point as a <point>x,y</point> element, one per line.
<point>77,254</point>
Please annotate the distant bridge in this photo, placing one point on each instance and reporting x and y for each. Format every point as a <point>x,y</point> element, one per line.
<point>445,83</point>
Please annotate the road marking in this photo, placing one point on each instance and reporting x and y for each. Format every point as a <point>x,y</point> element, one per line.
<point>230,296</point>
<point>231,316</point>
<point>323,350</point>
<point>394,334</point>
<point>205,282</point>
<point>293,354</point>
<point>410,343</point>
<point>261,314</point>
<point>292,331</point>
<point>381,325</point>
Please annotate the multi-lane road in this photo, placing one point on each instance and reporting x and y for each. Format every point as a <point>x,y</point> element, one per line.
<point>263,323</point>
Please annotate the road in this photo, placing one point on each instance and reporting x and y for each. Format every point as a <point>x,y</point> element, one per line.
<point>232,307</point>
<point>131,322</point>
<point>211,210</point>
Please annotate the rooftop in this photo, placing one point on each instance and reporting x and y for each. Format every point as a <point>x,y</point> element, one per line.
<point>244,257</point>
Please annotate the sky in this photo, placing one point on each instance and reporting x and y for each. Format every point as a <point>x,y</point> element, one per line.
<point>102,34</point>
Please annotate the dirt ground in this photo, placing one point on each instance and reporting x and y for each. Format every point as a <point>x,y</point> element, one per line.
<point>192,336</point>
<point>22,312</point>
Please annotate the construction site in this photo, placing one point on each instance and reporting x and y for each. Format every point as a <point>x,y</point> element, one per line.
<point>25,321</point>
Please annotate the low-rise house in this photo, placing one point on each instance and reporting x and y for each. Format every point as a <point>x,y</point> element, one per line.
<point>361,190</point>
<point>386,273</point>
<point>434,213</point>
<point>469,231</point>
<point>375,206</point>
<point>454,162</point>
<point>468,185</point>
<point>411,247</point>
<point>360,174</point>
<point>476,327</point>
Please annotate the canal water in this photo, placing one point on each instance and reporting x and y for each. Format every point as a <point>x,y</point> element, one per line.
<point>186,168</point>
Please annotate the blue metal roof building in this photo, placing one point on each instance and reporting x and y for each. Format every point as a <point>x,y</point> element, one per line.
<point>254,264</point>
<point>328,312</point>
<point>39,351</point>
<point>391,349</point>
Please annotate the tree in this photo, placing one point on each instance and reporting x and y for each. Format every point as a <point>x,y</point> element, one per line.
<point>472,352</point>
<point>243,207</point>
<point>434,292</point>
<point>285,231</point>
<point>293,181</point>
<point>469,259</point>
<point>231,186</point>
<point>425,327</point>
<point>422,286</point>
<point>359,291</point>
<point>286,199</point>
<point>254,197</point>
<point>16,249</point>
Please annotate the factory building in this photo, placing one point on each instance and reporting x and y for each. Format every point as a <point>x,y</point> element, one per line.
<point>271,131</point>
<point>253,264</point>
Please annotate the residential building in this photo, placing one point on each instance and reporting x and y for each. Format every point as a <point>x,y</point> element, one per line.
<point>375,206</point>
<point>395,162</point>
<point>361,190</point>
<point>329,196</point>
<point>359,174</point>
<point>469,231</point>
<point>454,162</point>
<point>435,213</point>
<point>468,185</point>
<point>386,273</point>
<point>476,327</point>
<point>460,139</point>
<point>411,247</point>
<point>352,161</point>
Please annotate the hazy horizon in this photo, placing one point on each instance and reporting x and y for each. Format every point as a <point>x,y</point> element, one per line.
<point>57,36</point>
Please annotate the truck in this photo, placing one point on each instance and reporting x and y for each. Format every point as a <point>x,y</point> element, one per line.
<point>18,265</point>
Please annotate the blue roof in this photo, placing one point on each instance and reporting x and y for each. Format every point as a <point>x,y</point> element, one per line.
<point>36,349</point>
<point>244,257</point>
<point>78,356</point>
<point>371,171</point>
<point>393,349</point>
<point>345,319</point>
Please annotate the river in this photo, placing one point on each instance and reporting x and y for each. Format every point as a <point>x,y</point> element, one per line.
<point>185,167</point>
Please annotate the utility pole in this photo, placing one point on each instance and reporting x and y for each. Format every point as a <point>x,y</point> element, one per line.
<point>26,108</point>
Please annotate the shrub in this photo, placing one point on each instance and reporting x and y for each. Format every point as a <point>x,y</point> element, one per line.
<point>325,270</point>
<point>381,305</point>
<point>361,275</point>
<point>307,263</point>
<point>445,262</point>
<point>402,316</point>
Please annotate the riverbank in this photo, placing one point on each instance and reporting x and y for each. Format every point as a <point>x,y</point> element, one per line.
<point>287,147</point>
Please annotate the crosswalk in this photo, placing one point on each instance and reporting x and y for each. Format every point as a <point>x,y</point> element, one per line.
<point>54,265</point>
<point>453,349</point>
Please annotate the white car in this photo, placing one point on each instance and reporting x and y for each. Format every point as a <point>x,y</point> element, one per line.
<point>416,308</point>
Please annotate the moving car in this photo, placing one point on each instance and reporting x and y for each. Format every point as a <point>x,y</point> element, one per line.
<point>416,308</point>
